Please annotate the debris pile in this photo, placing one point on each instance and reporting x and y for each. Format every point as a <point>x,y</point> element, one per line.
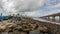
<point>23,26</point>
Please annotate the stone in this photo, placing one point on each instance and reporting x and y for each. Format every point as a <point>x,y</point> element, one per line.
<point>4,32</point>
<point>34,32</point>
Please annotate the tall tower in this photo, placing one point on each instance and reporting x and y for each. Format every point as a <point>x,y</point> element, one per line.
<point>1,14</point>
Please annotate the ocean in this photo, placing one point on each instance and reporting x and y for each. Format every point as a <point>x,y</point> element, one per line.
<point>2,17</point>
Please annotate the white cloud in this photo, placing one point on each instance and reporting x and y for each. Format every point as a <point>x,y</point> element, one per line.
<point>17,6</point>
<point>30,7</point>
<point>34,13</point>
<point>4,0</point>
<point>51,7</point>
<point>57,6</point>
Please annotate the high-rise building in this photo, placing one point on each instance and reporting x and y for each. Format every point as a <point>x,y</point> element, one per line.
<point>1,14</point>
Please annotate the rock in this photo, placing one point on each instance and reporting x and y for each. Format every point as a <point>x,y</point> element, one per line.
<point>4,32</point>
<point>11,33</point>
<point>22,26</point>
<point>4,26</point>
<point>16,32</point>
<point>33,26</point>
<point>23,33</point>
<point>43,28</point>
<point>34,32</point>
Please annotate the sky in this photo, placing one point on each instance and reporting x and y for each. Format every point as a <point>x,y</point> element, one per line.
<point>32,8</point>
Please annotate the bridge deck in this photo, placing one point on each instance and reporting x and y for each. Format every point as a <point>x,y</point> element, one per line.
<point>47,21</point>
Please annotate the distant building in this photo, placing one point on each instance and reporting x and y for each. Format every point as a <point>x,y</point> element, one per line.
<point>1,14</point>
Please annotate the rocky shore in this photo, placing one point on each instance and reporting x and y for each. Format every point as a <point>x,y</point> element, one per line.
<point>23,26</point>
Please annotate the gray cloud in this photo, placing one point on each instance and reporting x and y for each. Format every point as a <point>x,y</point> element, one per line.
<point>18,6</point>
<point>31,7</point>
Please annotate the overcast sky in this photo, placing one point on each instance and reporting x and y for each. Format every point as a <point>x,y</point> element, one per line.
<point>35,8</point>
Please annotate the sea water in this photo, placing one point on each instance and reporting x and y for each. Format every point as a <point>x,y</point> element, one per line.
<point>2,17</point>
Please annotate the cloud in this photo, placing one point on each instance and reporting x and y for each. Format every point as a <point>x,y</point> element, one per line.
<point>18,6</point>
<point>35,8</point>
<point>50,7</point>
<point>33,13</point>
